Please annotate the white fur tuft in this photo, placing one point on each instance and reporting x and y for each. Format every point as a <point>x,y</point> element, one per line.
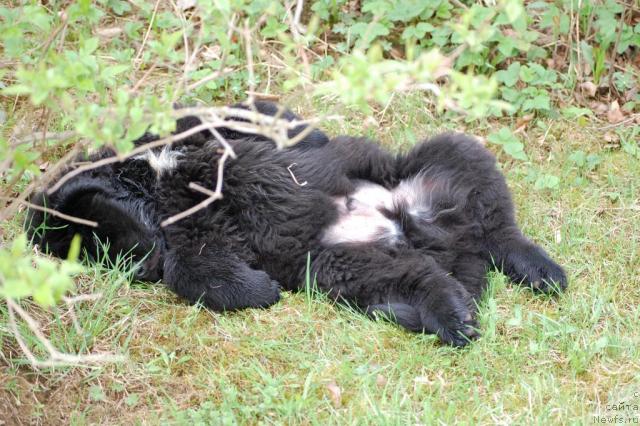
<point>162,162</point>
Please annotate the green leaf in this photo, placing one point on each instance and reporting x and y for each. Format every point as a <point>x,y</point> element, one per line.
<point>540,102</point>
<point>119,7</point>
<point>132,399</point>
<point>89,46</point>
<point>579,158</point>
<point>417,31</point>
<point>368,32</point>
<point>575,112</point>
<point>509,142</point>
<point>14,288</point>
<point>510,76</point>
<point>19,245</point>
<point>546,181</point>
<point>74,248</point>
<point>113,70</point>
<point>96,393</point>
<point>631,147</point>
<point>406,10</point>
<point>43,296</point>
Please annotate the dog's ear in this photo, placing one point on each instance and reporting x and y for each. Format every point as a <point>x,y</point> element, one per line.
<point>89,199</point>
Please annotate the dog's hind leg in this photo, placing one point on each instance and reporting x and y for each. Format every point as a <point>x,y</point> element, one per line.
<point>409,289</point>
<point>217,279</point>
<point>470,168</point>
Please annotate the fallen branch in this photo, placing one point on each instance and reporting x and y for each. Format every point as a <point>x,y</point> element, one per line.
<point>53,212</point>
<point>119,158</point>
<point>213,196</point>
<point>212,117</point>
<point>55,357</point>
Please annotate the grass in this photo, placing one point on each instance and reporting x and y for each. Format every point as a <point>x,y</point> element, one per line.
<point>540,360</point>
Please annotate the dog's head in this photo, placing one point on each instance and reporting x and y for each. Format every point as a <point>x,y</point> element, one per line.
<point>125,227</point>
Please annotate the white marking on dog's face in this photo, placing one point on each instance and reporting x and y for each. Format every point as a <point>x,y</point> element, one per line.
<point>162,162</point>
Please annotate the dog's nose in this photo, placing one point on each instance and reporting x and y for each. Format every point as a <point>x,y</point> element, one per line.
<point>144,273</point>
<point>150,269</point>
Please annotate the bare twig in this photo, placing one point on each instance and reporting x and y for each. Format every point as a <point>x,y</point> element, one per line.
<point>223,60</point>
<point>146,35</point>
<point>294,176</point>
<point>147,73</point>
<point>297,15</point>
<point>630,119</point>
<point>263,96</point>
<point>614,52</point>
<point>50,174</point>
<point>202,189</point>
<point>214,117</point>
<point>208,78</point>
<point>223,142</point>
<point>54,34</point>
<point>81,298</point>
<point>118,158</point>
<point>213,196</point>
<point>53,212</point>
<point>49,136</point>
<point>256,123</point>
<point>71,301</point>
<point>246,33</point>
<point>55,357</point>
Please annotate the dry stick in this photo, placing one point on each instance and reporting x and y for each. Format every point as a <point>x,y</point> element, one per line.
<point>202,189</point>
<point>578,56</point>
<point>224,111</point>
<point>82,298</point>
<point>213,196</point>
<point>146,35</point>
<point>52,37</point>
<point>625,121</point>
<point>615,50</point>
<point>263,96</point>
<point>223,142</point>
<point>16,333</point>
<point>223,60</point>
<point>44,180</point>
<point>49,136</point>
<point>259,119</point>
<point>249,53</point>
<point>118,158</point>
<point>212,76</point>
<point>296,30</point>
<point>297,16</point>
<point>53,212</point>
<point>294,176</point>
<point>56,357</point>
<point>144,77</point>
<point>187,58</point>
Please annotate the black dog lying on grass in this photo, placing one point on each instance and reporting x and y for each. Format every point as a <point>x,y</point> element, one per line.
<point>409,236</point>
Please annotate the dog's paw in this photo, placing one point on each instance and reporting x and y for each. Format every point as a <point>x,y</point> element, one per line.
<point>533,268</point>
<point>449,313</point>
<point>263,291</point>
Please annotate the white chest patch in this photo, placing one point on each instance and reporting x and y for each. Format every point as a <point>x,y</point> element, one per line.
<point>360,219</point>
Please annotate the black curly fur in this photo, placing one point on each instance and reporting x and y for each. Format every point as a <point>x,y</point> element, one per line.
<point>240,250</point>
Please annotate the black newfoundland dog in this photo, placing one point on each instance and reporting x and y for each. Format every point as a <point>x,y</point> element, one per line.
<point>409,236</point>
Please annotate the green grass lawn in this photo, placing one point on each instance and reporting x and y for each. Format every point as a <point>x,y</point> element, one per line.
<point>540,359</point>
